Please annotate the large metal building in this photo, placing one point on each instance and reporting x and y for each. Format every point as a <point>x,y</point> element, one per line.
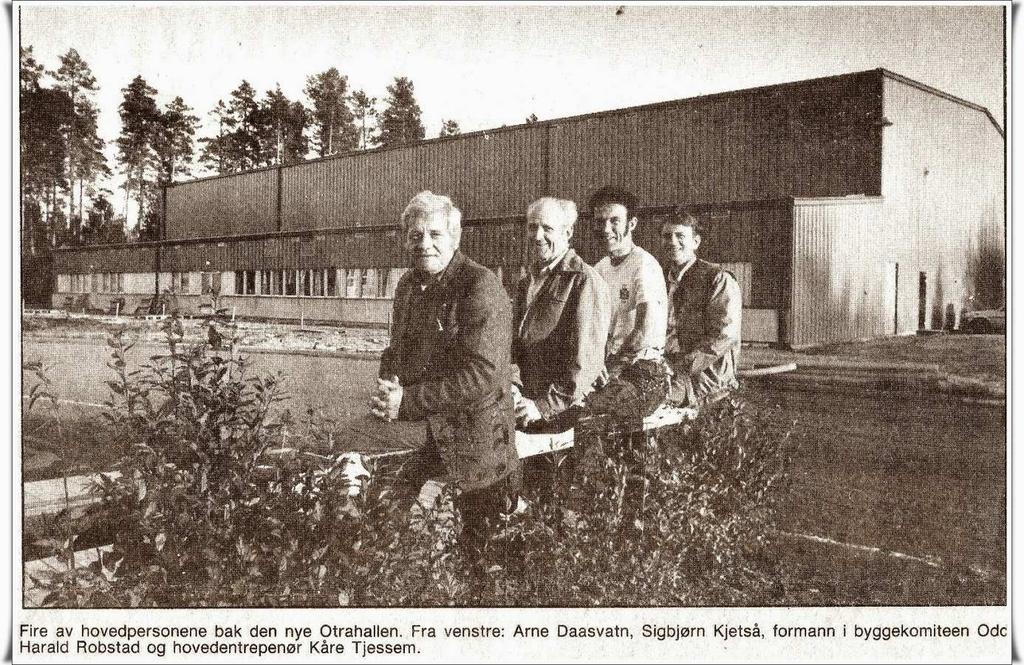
<point>848,207</point>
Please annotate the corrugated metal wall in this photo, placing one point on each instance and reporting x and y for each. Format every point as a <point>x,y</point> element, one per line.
<point>489,175</point>
<point>230,205</point>
<point>839,272</point>
<point>815,138</point>
<point>123,258</point>
<point>821,138</point>
<point>943,178</point>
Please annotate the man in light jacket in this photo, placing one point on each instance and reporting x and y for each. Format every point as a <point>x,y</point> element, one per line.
<point>561,318</point>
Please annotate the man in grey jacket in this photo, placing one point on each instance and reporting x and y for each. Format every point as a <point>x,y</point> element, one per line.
<point>561,317</point>
<point>705,309</point>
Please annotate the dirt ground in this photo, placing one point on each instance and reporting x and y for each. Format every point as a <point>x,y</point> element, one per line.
<point>981,357</point>
<point>251,335</point>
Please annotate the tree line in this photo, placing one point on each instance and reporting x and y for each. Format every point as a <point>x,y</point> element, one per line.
<point>64,167</point>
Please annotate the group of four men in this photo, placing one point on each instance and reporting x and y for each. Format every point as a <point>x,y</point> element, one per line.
<point>475,366</point>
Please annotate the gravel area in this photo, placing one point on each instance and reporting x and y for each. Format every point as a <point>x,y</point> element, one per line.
<point>250,335</point>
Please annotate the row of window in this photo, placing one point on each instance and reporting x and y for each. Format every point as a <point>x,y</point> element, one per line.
<point>315,282</point>
<point>97,282</point>
<point>209,282</point>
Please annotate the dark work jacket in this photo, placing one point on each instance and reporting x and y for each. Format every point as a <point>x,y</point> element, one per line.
<point>559,341</point>
<point>455,369</point>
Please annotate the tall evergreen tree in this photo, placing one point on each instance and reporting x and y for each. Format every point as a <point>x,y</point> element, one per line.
<point>282,129</point>
<point>364,109</point>
<point>174,140</point>
<point>400,120</point>
<point>85,160</point>
<point>333,125</point>
<point>449,128</point>
<point>245,148</point>
<point>44,123</point>
<point>217,151</point>
<point>30,72</point>
<point>91,161</point>
<point>139,118</point>
<point>102,226</point>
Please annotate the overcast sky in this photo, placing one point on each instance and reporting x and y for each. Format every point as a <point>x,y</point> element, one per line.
<point>485,66</point>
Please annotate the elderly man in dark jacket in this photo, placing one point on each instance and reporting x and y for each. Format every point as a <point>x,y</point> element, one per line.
<point>448,364</point>
<point>562,315</point>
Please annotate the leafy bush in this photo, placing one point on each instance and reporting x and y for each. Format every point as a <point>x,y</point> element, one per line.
<point>211,512</point>
<point>672,520</point>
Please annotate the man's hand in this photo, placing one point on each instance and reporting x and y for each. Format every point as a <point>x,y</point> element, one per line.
<point>526,412</point>
<point>387,401</point>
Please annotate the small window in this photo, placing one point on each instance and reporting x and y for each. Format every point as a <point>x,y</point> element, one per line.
<point>318,282</point>
<point>350,282</point>
<point>239,283</point>
<point>249,282</point>
<point>120,282</point>
<point>289,282</point>
<point>265,282</point>
<point>275,283</point>
<point>382,282</point>
<point>183,283</point>
<point>307,282</point>
<point>206,283</point>
<point>364,283</point>
<point>95,282</point>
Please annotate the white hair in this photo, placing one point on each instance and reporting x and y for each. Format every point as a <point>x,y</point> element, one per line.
<point>565,209</point>
<point>427,203</point>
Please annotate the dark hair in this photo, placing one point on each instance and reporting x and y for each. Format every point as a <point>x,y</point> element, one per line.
<point>679,216</point>
<point>611,194</point>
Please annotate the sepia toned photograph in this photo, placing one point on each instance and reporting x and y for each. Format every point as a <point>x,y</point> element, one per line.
<point>513,306</point>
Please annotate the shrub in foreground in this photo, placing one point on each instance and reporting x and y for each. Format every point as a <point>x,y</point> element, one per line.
<point>210,512</point>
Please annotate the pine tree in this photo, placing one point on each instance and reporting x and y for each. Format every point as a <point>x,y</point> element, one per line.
<point>44,123</point>
<point>532,118</point>
<point>30,71</point>
<point>102,226</point>
<point>85,159</point>
<point>245,149</point>
<point>334,129</point>
<point>217,152</point>
<point>449,128</point>
<point>400,120</point>
<point>364,109</point>
<point>282,129</point>
<point>174,140</point>
<point>139,118</point>
<point>91,165</point>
